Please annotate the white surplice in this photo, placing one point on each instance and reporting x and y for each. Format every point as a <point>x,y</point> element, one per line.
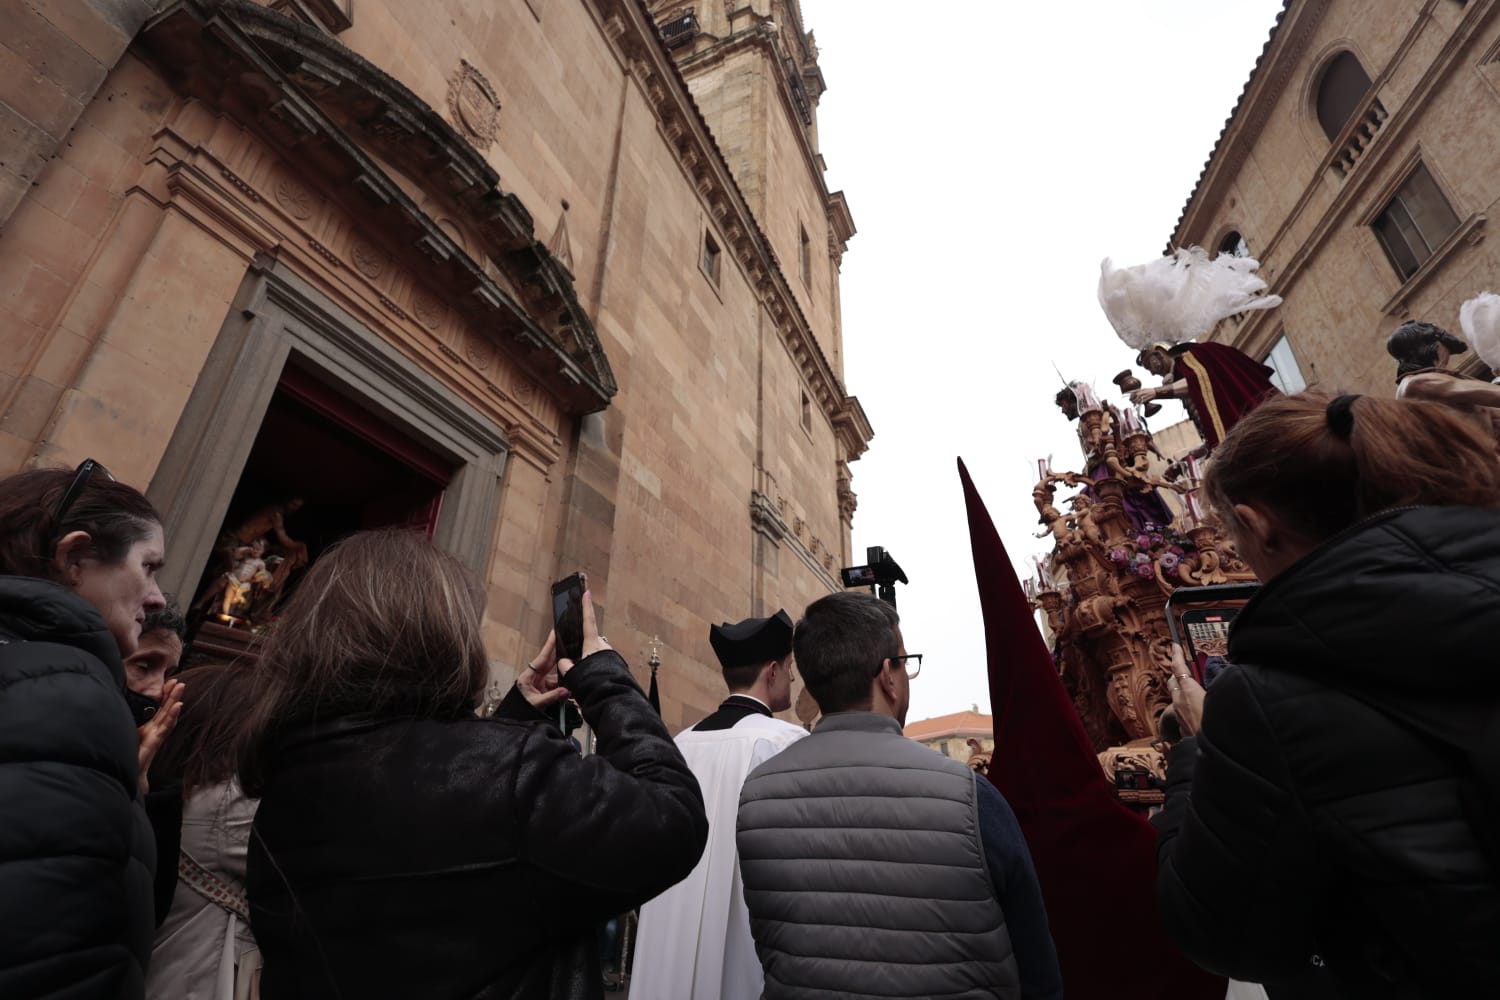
<point>694,939</point>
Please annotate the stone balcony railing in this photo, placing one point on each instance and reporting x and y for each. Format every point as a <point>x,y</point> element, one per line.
<point>1358,135</point>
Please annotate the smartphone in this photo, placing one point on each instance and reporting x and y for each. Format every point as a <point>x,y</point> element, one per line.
<point>1199,619</point>
<point>567,616</point>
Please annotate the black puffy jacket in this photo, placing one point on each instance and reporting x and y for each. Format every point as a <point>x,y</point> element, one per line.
<point>1336,807</point>
<point>467,857</point>
<point>76,851</point>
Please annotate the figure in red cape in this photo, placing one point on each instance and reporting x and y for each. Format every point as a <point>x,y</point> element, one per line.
<point>1096,860</point>
<point>1220,384</point>
<point>1174,300</point>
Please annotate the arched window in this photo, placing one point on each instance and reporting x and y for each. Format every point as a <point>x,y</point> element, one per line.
<point>1234,244</point>
<point>1343,86</point>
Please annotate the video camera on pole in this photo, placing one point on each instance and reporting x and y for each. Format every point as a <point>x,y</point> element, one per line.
<point>880,573</point>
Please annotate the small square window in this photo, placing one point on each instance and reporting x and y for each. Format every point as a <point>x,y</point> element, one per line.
<point>711,257</point>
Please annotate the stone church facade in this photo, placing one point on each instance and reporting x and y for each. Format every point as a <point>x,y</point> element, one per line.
<point>1359,167</point>
<point>553,280</point>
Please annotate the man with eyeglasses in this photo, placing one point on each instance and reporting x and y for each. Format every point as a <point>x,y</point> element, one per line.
<point>694,941</point>
<point>873,866</point>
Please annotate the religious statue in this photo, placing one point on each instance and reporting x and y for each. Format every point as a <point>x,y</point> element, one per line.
<point>979,757</point>
<point>1115,444</point>
<point>1174,300</point>
<point>1422,352</point>
<point>249,572</point>
<point>1217,383</point>
<point>253,563</point>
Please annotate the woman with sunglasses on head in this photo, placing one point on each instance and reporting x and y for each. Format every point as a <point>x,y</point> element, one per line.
<point>1340,802</point>
<point>79,554</point>
<point>405,846</point>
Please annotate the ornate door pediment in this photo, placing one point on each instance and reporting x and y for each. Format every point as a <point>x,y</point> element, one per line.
<point>348,125</point>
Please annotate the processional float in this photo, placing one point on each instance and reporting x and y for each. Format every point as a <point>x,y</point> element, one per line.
<point>1134,532</point>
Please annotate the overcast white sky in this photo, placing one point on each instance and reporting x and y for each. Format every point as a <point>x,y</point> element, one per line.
<point>992,154</point>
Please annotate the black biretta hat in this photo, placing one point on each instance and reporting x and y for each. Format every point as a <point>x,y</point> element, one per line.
<point>752,641</point>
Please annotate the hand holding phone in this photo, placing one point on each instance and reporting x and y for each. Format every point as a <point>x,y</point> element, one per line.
<point>567,616</point>
<point>575,624</point>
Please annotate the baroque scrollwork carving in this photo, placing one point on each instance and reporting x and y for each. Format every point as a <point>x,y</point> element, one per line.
<point>1118,552</point>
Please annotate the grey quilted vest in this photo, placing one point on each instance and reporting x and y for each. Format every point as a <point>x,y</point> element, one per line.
<point>864,870</point>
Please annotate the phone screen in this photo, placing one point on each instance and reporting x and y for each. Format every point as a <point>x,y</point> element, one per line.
<point>567,616</point>
<point>1199,618</point>
<point>1208,640</point>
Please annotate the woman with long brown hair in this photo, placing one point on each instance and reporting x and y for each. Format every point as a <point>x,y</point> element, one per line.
<point>406,847</point>
<point>79,553</point>
<point>1339,799</point>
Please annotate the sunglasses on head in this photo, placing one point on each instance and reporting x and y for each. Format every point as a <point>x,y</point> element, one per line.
<point>81,477</point>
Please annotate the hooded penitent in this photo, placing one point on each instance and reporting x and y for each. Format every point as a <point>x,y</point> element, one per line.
<point>1095,859</point>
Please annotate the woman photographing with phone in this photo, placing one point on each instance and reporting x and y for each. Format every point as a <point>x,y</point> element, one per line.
<point>1340,796</point>
<point>404,846</point>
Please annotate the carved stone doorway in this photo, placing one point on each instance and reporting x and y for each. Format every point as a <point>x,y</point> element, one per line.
<point>299,400</point>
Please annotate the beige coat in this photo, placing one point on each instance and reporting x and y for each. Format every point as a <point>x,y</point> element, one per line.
<point>200,943</point>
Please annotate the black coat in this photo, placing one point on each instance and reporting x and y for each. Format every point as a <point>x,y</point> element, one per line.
<point>466,858</point>
<point>1332,809</point>
<point>76,851</point>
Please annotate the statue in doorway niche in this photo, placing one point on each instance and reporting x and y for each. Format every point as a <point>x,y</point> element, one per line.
<point>249,573</point>
<point>254,562</point>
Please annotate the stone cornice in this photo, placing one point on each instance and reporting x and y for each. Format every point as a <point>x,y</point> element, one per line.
<point>766,519</point>
<point>1267,82</point>
<point>209,193</point>
<point>763,36</point>
<point>274,75</point>
<point>628,25</point>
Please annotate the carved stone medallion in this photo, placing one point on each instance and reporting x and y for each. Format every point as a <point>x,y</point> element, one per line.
<point>473,105</point>
<point>368,260</point>
<point>294,196</point>
<point>524,388</point>
<point>428,309</point>
<point>479,351</point>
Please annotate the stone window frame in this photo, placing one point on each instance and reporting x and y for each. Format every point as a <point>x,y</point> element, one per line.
<point>1327,91</point>
<point>804,255</point>
<point>277,318</point>
<point>1281,339</point>
<point>1470,229</point>
<point>711,257</point>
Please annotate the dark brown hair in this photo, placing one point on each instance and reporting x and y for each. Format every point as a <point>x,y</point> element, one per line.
<point>841,644</point>
<point>1318,475</point>
<point>116,516</point>
<point>200,751</point>
<point>384,625</point>
<point>742,677</point>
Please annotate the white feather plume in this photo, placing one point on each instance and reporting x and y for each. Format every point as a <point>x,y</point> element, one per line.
<point>1480,319</point>
<point>1179,297</point>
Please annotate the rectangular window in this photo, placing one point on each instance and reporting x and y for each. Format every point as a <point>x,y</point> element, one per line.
<point>805,256</point>
<point>1415,223</point>
<point>711,255</point>
<point>806,412</point>
<point>1287,375</point>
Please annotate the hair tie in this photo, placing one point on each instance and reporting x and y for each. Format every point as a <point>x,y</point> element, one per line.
<point>1341,415</point>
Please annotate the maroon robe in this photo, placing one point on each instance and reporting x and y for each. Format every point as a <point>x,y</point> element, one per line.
<point>1224,383</point>
<point>1094,858</point>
